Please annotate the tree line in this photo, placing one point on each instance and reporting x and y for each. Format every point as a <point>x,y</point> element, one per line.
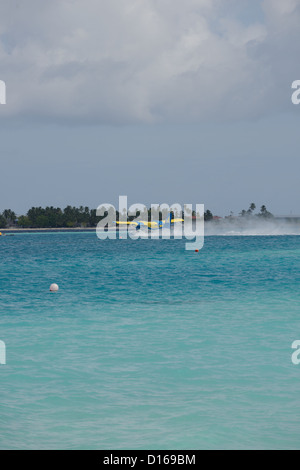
<point>72,217</point>
<point>250,212</point>
<point>69,217</point>
<point>51,217</point>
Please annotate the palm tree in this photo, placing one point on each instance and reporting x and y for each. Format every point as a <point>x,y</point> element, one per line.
<point>264,212</point>
<point>251,208</point>
<point>3,222</point>
<point>263,209</point>
<point>10,216</point>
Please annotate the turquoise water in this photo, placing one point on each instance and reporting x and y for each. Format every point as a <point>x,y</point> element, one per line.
<point>148,346</point>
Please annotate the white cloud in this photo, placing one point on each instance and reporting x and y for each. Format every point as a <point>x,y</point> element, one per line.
<point>120,61</point>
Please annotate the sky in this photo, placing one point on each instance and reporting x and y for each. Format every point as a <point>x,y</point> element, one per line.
<point>164,101</point>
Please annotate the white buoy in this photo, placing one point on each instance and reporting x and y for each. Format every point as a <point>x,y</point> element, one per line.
<point>54,288</point>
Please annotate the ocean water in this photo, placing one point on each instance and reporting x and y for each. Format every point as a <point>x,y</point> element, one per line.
<point>149,346</point>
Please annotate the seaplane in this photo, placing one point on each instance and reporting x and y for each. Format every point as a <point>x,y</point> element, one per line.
<point>151,225</point>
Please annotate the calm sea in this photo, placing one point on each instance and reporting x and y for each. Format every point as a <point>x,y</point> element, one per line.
<point>149,346</point>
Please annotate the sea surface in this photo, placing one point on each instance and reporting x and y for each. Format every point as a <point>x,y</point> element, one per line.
<point>149,346</point>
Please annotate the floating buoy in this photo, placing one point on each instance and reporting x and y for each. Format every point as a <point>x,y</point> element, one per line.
<point>196,251</point>
<point>54,288</point>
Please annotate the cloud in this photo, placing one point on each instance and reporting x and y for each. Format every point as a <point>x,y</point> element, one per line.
<point>147,61</point>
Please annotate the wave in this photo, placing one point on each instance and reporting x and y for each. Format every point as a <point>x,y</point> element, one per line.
<point>240,227</point>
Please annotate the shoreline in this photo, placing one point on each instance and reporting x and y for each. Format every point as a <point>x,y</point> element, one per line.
<point>30,230</point>
<point>214,227</point>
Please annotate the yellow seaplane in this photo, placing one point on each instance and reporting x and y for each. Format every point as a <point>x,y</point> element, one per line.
<point>153,224</point>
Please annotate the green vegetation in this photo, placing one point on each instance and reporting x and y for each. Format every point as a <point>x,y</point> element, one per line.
<point>3,222</point>
<point>208,215</point>
<point>51,217</point>
<point>72,217</point>
<point>250,212</point>
<point>7,218</point>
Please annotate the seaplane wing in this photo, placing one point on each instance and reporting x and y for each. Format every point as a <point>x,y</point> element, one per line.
<point>175,221</point>
<point>140,224</point>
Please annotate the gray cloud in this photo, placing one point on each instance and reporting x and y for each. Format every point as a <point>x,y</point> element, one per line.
<point>148,61</point>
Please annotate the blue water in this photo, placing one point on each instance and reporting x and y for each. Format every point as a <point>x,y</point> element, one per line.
<point>149,346</point>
